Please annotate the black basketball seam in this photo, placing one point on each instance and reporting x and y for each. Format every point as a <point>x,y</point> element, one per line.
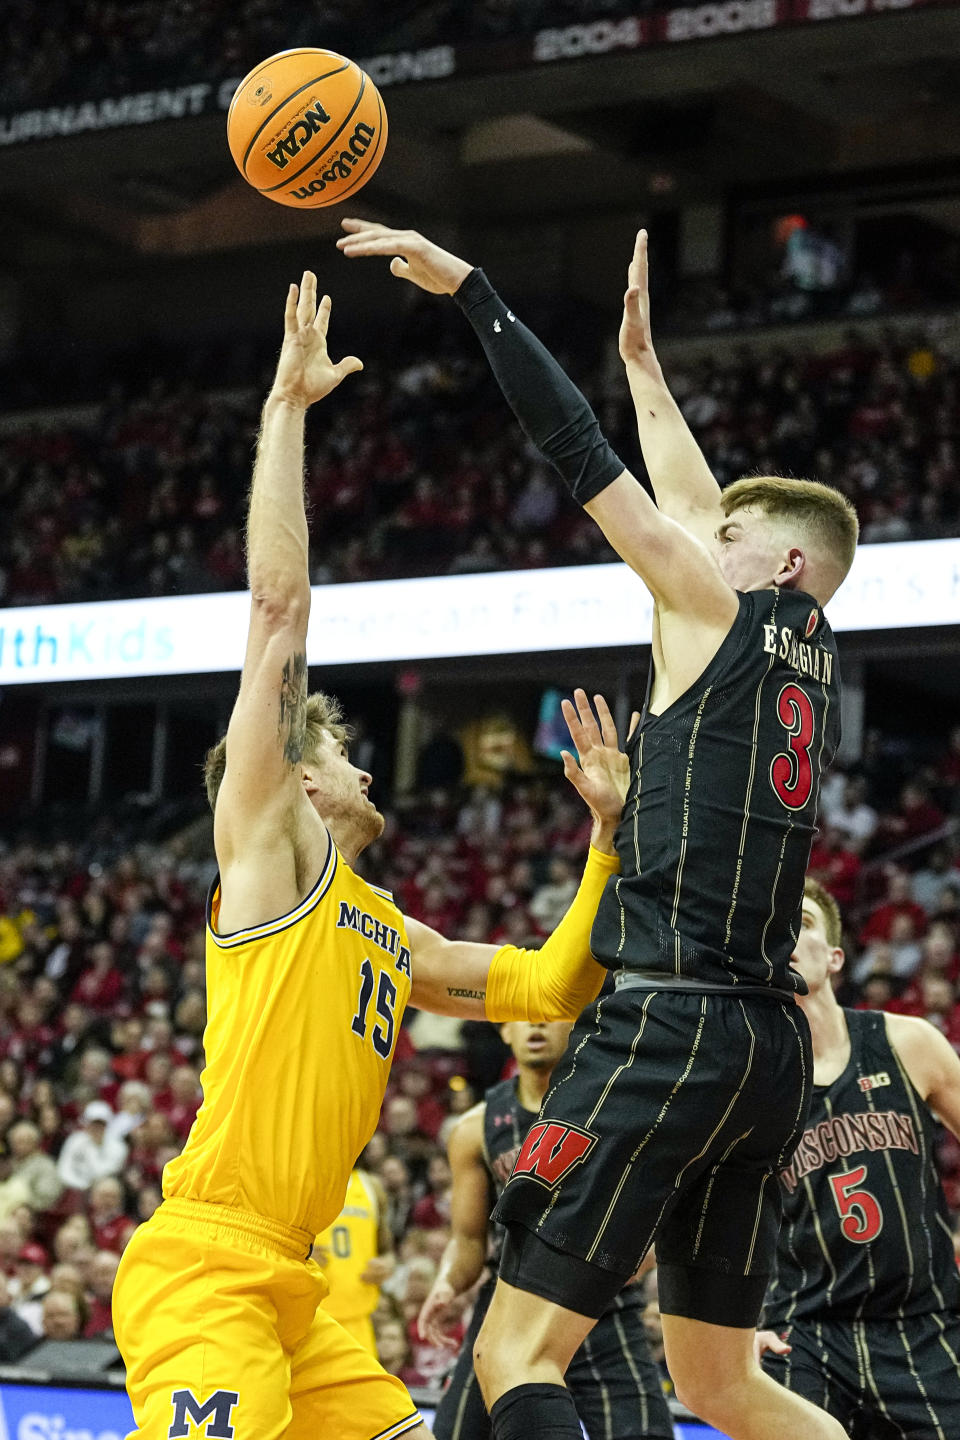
<point>358,179</point>
<point>269,189</point>
<point>286,101</point>
<point>281,54</point>
<point>305,50</point>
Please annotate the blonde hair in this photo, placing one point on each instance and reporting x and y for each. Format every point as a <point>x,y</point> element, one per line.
<point>829,909</point>
<point>821,512</point>
<point>323,715</point>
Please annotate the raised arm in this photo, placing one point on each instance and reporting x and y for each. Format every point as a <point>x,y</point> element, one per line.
<point>459,977</point>
<point>681,478</point>
<point>261,787</point>
<point>672,562</point>
<point>931,1063</point>
<point>462,1262</point>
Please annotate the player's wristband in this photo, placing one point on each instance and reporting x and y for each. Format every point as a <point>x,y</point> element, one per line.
<point>556,981</point>
<point>553,412</point>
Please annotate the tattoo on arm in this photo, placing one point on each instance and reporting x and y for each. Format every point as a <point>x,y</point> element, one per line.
<point>459,994</point>
<point>292,728</point>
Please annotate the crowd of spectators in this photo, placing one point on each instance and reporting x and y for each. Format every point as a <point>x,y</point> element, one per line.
<point>102,1008</point>
<point>71,50</point>
<point>426,472</point>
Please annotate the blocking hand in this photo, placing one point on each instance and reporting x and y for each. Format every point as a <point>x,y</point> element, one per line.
<point>305,372</point>
<point>602,776</point>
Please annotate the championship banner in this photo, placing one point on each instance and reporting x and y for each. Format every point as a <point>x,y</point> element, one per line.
<point>584,607</point>
<point>603,36</point>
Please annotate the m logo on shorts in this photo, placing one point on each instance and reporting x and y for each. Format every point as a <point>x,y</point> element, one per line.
<point>551,1150</point>
<point>212,1417</point>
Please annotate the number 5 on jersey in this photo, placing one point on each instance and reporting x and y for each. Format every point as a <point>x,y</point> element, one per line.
<point>381,1033</point>
<point>861,1218</point>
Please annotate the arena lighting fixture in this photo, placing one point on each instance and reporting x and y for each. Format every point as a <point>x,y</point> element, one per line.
<point>891,587</point>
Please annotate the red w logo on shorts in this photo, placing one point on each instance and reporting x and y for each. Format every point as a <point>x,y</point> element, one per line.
<point>550,1150</point>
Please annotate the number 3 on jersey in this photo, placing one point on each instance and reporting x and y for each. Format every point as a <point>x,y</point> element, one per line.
<point>861,1218</point>
<point>381,1035</point>
<point>791,772</point>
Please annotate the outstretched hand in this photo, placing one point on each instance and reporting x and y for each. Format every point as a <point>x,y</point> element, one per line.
<point>415,258</point>
<point>765,1340</point>
<point>636,339</point>
<point>602,776</point>
<point>439,1311</point>
<point>305,372</point>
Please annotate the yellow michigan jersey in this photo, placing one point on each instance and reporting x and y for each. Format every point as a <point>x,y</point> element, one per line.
<point>216,1305</point>
<point>350,1243</point>
<point>304,1013</point>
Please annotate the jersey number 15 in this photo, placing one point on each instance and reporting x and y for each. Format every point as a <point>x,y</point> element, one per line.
<point>381,1035</point>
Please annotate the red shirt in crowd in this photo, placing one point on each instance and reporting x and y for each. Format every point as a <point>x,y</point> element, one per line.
<point>100,1319</point>
<point>880,923</point>
<point>112,1234</point>
<point>98,991</point>
<point>837,870</point>
<point>181,1114</point>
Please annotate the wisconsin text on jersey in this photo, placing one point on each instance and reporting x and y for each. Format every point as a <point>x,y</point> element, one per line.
<point>385,937</point>
<point>844,1135</point>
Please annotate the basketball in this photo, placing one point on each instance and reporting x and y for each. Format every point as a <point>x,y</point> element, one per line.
<point>307,128</point>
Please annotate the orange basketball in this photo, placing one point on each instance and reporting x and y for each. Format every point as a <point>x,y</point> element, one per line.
<point>307,128</point>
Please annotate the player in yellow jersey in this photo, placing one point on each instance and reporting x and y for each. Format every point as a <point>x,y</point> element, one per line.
<point>357,1255</point>
<point>309,969</point>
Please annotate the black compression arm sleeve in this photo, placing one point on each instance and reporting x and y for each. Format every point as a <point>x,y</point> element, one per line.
<point>553,412</point>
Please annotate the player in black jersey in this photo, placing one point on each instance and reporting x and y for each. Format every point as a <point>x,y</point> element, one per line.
<point>614,1382</point>
<point>686,1089</point>
<point>863,1313</point>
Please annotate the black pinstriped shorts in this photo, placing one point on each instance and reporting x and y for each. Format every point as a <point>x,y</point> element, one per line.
<point>882,1379</point>
<point>667,1120</point>
<point>614,1383</point>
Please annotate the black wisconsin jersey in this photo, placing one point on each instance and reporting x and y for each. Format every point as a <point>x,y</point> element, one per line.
<point>719,818</point>
<point>865,1232</point>
<point>505,1126</point>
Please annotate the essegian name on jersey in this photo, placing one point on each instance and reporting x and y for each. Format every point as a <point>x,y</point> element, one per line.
<point>35,1426</point>
<point>809,659</point>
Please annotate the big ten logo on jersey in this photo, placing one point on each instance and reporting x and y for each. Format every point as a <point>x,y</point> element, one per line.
<point>211,1417</point>
<point>550,1151</point>
<point>873,1082</point>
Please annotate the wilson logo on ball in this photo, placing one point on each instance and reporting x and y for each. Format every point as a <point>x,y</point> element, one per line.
<point>299,135</point>
<point>340,167</point>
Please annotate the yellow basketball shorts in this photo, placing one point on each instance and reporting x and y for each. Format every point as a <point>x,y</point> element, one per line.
<point>216,1315</point>
<point>361,1328</point>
